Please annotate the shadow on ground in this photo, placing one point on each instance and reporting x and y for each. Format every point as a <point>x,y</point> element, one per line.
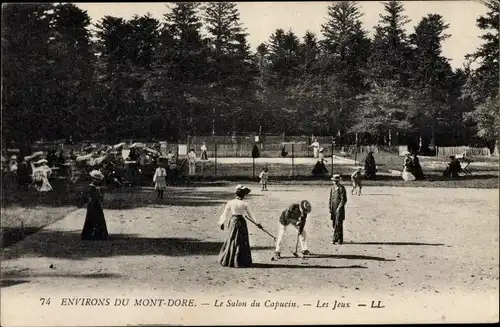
<point>124,199</point>
<point>11,282</point>
<point>68,245</point>
<point>302,266</point>
<point>11,278</point>
<point>348,256</point>
<point>396,243</point>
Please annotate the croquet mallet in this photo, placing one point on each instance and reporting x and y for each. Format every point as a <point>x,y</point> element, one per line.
<point>265,231</point>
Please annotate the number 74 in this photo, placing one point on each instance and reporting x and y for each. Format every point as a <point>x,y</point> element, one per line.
<point>45,301</point>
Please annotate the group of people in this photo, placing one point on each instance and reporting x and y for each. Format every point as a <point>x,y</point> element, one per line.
<point>412,170</point>
<point>31,171</point>
<point>236,252</point>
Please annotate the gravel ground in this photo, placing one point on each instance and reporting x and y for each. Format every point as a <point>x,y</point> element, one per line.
<point>429,254</point>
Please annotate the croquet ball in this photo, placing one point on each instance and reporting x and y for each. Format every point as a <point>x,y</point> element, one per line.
<point>51,266</point>
<point>272,259</point>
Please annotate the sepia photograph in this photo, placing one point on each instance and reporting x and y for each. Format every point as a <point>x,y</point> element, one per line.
<point>250,163</point>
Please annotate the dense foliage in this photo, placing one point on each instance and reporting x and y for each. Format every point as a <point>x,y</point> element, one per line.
<point>193,72</point>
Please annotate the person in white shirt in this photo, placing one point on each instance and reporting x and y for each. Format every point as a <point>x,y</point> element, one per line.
<point>192,162</point>
<point>315,146</point>
<point>235,251</point>
<point>264,177</point>
<point>160,179</point>
<point>41,175</point>
<point>204,152</point>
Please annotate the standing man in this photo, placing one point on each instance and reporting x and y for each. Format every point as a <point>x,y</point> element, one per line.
<point>315,146</point>
<point>192,162</point>
<point>295,215</point>
<point>338,200</point>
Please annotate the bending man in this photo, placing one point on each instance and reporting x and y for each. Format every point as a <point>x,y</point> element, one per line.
<point>295,215</point>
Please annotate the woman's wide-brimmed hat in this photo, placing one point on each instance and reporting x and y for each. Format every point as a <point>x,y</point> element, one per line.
<point>96,174</point>
<point>242,189</point>
<point>14,157</point>
<point>336,177</point>
<point>41,162</point>
<point>305,206</point>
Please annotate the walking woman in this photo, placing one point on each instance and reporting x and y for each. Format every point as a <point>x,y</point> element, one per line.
<point>236,251</point>
<point>160,179</point>
<point>370,166</point>
<point>95,225</point>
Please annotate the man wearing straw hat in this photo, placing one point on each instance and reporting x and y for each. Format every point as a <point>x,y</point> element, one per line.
<point>338,200</point>
<point>295,215</point>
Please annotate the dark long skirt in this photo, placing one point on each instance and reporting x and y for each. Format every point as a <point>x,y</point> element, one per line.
<point>319,169</point>
<point>94,227</point>
<point>236,251</point>
<point>370,170</point>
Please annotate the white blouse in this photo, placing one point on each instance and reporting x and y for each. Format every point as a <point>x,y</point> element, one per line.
<point>160,172</point>
<point>236,207</point>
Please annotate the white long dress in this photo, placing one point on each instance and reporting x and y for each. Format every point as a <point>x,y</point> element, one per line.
<point>407,176</point>
<point>43,173</point>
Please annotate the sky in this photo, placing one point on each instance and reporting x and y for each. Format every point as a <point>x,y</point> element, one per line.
<point>261,19</point>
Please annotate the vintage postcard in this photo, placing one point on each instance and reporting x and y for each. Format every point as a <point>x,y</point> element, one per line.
<point>250,163</point>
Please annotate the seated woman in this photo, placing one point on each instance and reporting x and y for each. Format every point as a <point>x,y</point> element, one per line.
<point>417,169</point>
<point>453,169</point>
<point>320,168</point>
<point>408,168</point>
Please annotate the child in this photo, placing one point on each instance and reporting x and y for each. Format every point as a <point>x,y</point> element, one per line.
<point>160,179</point>
<point>356,181</point>
<point>264,176</point>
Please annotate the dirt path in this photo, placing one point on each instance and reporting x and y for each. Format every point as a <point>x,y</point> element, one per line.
<point>402,244</point>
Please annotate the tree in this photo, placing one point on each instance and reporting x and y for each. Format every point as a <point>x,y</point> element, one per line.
<point>222,21</point>
<point>73,81</point>
<point>346,48</point>
<point>432,75</point>
<point>284,57</point>
<point>27,70</point>
<point>230,63</point>
<point>482,86</point>
<point>383,109</point>
<point>309,51</point>
<point>144,40</point>
<point>390,57</point>
<point>120,106</point>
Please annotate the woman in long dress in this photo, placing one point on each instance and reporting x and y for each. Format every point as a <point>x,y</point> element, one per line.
<point>160,180</point>
<point>41,173</point>
<point>236,251</point>
<point>204,155</point>
<point>95,227</point>
<point>370,166</point>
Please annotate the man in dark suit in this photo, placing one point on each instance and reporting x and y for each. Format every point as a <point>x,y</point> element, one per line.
<point>338,200</point>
